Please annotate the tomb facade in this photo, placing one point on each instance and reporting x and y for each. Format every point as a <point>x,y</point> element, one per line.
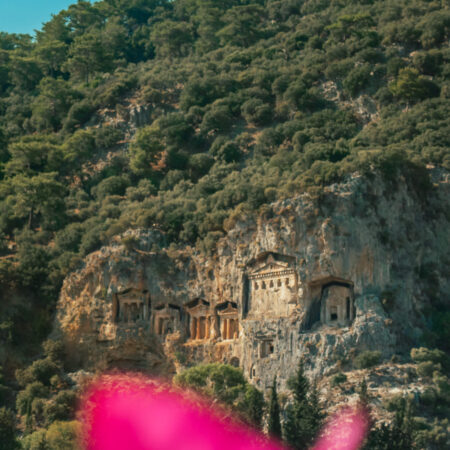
<point>332,302</point>
<point>166,319</point>
<point>199,318</point>
<point>265,347</point>
<point>272,286</point>
<point>337,305</point>
<point>227,320</point>
<point>131,305</point>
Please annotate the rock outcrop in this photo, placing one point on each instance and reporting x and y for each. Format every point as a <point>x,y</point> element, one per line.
<point>316,278</point>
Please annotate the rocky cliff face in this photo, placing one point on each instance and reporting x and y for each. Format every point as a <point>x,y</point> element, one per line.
<point>320,278</point>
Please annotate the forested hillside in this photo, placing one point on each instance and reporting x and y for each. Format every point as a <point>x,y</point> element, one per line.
<point>244,103</point>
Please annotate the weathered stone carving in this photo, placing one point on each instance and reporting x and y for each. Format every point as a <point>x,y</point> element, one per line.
<point>228,322</point>
<point>199,319</point>
<point>131,305</point>
<point>272,285</point>
<point>332,302</point>
<point>265,347</point>
<point>166,319</point>
<point>343,240</point>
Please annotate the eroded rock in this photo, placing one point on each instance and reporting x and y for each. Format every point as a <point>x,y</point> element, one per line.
<point>319,280</point>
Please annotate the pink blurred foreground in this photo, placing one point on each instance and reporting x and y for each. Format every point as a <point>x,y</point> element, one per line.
<point>134,413</point>
<point>345,432</point>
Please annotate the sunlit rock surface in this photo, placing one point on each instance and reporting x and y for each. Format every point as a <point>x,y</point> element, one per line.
<point>321,278</point>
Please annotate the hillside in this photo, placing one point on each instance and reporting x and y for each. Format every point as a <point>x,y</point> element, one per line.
<point>194,119</point>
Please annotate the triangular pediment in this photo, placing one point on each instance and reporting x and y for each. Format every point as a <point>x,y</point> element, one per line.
<point>198,308</point>
<point>271,267</point>
<point>228,310</point>
<point>132,293</point>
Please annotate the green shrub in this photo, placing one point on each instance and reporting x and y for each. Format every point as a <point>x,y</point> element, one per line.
<point>7,430</point>
<point>41,370</point>
<point>78,114</point>
<point>54,350</point>
<point>428,63</point>
<point>411,86</point>
<point>367,359</point>
<point>217,120</point>
<point>108,136</point>
<point>91,240</point>
<point>79,147</point>
<point>60,407</point>
<point>69,238</point>
<point>424,354</point>
<point>199,165</point>
<point>435,435</point>
<point>36,441</point>
<point>268,142</point>
<point>229,152</point>
<point>59,436</point>
<point>256,111</point>
<point>394,402</point>
<point>252,405</point>
<point>26,396</point>
<point>357,79</point>
<point>226,384</point>
<point>130,242</point>
<point>427,368</point>
<point>63,435</point>
<point>338,379</point>
<point>115,185</point>
<point>142,191</point>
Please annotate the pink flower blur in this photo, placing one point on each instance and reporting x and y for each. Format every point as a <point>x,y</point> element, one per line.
<point>346,431</point>
<point>130,412</point>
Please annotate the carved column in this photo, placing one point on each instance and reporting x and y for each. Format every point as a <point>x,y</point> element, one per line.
<point>193,327</point>
<point>228,329</point>
<point>207,327</point>
<point>235,330</point>
<point>197,336</point>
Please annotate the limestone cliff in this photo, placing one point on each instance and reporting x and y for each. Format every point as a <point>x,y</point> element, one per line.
<point>321,278</point>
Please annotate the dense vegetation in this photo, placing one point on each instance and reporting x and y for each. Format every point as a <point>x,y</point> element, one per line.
<point>244,102</point>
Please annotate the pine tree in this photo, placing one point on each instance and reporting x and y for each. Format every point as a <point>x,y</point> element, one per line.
<point>363,394</point>
<point>274,412</point>
<point>29,417</point>
<point>304,416</point>
<point>375,436</point>
<point>7,430</point>
<point>401,431</point>
<point>395,436</point>
<point>316,415</point>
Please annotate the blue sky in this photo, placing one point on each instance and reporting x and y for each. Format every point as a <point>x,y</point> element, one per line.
<point>25,16</point>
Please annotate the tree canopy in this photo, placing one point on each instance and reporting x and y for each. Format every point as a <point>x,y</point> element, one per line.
<point>188,114</point>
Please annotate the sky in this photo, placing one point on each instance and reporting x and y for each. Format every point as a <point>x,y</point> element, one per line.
<point>25,16</point>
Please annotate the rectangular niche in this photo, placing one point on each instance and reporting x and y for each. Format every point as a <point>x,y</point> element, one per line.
<point>266,348</point>
<point>166,319</point>
<point>131,306</point>
<point>331,302</point>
